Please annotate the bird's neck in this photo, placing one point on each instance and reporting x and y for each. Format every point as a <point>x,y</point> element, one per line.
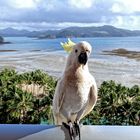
<point>75,73</point>
<point>72,68</point>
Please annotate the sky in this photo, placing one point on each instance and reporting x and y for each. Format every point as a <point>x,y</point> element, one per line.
<point>58,14</point>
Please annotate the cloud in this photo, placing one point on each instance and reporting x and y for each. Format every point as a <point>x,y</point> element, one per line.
<point>21,4</point>
<point>128,22</point>
<point>81,4</point>
<point>55,13</point>
<point>116,8</point>
<point>128,6</point>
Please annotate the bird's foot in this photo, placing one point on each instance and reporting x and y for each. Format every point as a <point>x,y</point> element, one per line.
<point>70,127</point>
<point>77,129</point>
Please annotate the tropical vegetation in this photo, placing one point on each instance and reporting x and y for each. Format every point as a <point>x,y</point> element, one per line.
<point>20,106</point>
<point>116,105</point>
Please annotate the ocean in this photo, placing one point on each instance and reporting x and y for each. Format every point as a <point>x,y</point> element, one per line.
<point>25,44</point>
<point>29,53</point>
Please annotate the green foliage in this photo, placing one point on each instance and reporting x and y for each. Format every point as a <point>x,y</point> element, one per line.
<point>18,106</point>
<point>116,105</point>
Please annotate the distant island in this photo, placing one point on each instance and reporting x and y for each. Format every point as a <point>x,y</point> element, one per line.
<point>2,41</point>
<point>124,53</point>
<point>101,31</point>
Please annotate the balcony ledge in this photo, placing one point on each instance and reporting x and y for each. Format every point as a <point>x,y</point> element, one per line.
<point>49,132</point>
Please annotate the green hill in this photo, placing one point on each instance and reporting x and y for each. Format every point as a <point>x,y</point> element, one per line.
<point>100,31</point>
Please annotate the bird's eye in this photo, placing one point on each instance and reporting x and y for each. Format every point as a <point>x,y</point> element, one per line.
<point>76,50</point>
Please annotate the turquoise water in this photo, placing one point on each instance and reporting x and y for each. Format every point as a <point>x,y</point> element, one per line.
<point>48,55</point>
<point>25,44</point>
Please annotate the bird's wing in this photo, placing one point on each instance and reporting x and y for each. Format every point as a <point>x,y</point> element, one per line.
<point>59,96</point>
<point>92,100</point>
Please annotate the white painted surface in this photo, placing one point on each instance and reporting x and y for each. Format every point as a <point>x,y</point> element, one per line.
<point>90,133</point>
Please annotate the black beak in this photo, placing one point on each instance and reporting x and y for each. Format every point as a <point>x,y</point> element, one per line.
<point>82,58</point>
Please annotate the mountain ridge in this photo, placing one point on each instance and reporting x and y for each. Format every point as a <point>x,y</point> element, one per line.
<point>93,31</point>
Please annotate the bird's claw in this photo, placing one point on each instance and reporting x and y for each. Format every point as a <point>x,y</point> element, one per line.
<point>77,130</point>
<point>74,130</point>
<point>70,127</point>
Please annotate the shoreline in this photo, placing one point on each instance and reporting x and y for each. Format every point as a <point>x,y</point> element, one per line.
<point>2,43</point>
<point>54,64</point>
<point>124,53</point>
<point>8,50</point>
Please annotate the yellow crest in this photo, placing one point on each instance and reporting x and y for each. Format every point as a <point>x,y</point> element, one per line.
<point>68,46</point>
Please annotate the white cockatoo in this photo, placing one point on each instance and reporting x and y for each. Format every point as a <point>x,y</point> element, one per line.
<point>76,91</point>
